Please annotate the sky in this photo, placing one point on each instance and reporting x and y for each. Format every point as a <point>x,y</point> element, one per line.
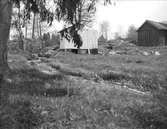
<point>124,13</point>
<point>127,12</point>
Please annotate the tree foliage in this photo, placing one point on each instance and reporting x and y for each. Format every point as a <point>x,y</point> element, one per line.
<point>104,28</point>
<point>18,22</point>
<point>132,33</point>
<point>75,13</point>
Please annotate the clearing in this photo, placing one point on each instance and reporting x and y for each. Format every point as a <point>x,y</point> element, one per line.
<point>120,88</point>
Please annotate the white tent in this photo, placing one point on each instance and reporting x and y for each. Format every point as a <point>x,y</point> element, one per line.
<point>89,38</point>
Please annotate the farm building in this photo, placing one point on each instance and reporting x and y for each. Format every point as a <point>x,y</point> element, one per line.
<point>152,34</point>
<point>90,42</point>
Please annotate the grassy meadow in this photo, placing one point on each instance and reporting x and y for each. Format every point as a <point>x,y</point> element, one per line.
<point>103,91</point>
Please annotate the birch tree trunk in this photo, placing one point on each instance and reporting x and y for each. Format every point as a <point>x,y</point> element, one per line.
<point>33,27</point>
<point>5,21</point>
<point>37,23</point>
<point>21,36</point>
<point>26,28</point>
<point>40,29</point>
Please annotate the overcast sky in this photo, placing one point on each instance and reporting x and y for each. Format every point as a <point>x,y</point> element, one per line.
<point>127,12</point>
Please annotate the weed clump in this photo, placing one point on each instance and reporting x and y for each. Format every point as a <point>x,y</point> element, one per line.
<point>112,76</point>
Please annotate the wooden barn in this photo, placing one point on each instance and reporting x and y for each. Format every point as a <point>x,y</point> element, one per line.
<point>152,34</point>
<point>90,42</point>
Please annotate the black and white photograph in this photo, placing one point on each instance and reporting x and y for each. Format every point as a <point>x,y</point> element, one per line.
<point>83,64</point>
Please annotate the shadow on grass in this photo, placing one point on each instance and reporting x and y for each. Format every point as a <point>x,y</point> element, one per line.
<point>152,118</point>
<point>34,74</point>
<point>34,88</point>
<point>33,82</point>
<point>19,115</point>
<point>67,71</point>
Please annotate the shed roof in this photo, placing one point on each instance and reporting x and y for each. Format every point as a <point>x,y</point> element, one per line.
<point>157,25</point>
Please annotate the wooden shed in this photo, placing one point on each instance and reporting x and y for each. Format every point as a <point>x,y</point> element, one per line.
<point>152,33</point>
<point>90,42</point>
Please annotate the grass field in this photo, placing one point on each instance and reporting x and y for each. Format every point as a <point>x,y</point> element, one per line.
<point>122,91</point>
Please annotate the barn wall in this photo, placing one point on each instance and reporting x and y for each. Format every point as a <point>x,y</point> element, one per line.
<point>162,38</point>
<point>166,38</point>
<point>148,36</point>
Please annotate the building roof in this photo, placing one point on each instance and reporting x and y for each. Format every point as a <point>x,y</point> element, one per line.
<point>157,25</point>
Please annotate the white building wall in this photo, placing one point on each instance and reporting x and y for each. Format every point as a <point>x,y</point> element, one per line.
<point>89,38</point>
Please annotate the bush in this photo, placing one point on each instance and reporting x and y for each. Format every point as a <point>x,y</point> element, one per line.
<point>150,83</point>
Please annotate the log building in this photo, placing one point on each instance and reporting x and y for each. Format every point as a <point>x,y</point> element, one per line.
<point>152,34</point>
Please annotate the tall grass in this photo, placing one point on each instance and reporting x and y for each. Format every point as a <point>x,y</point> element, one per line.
<point>94,107</point>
